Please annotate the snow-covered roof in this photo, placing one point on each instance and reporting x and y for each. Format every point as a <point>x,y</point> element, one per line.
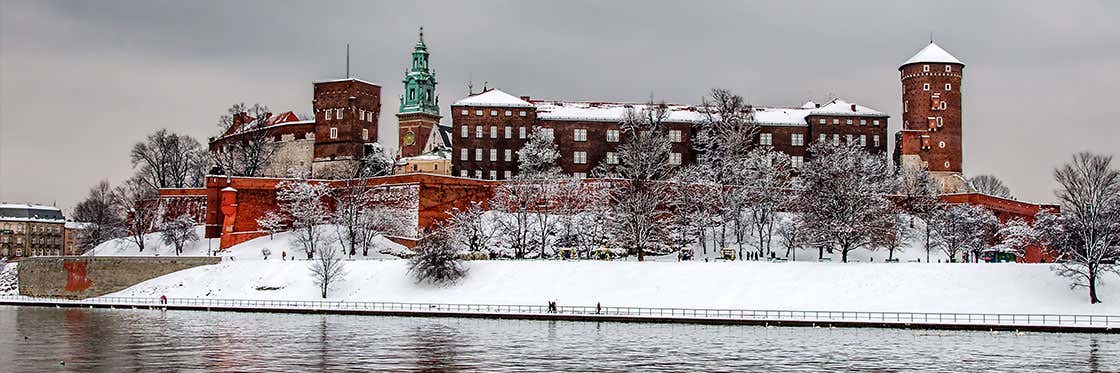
<point>427,157</point>
<point>841,107</point>
<point>932,53</point>
<point>780,116</point>
<point>344,80</point>
<point>608,112</point>
<point>493,98</point>
<point>29,212</point>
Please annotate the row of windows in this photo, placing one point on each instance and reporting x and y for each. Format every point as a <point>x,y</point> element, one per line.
<point>948,87</point>
<point>948,68</point>
<point>849,138</point>
<point>334,133</point>
<point>796,161</point>
<point>795,139</point>
<point>493,113</point>
<point>578,134</point>
<point>329,114</point>
<point>18,228</point>
<point>862,122</point>
<point>578,157</point>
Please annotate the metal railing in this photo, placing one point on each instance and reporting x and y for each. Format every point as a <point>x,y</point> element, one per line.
<point>1001,319</point>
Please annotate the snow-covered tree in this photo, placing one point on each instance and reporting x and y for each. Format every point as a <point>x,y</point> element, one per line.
<point>302,201</point>
<point>253,148</point>
<point>327,268</point>
<point>538,156</point>
<point>102,215</point>
<point>990,185</point>
<point>524,208</point>
<point>375,163</point>
<point>963,229</point>
<point>765,187</point>
<point>894,239</point>
<point>437,261</point>
<point>694,209</point>
<point>637,214</point>
<point>727,133</point>
<point>1016,236</point>
<point>919,197</point>
<point>844,202</point>
<point>1087,234</point>
<point>178,232</point>
<point>272,222</point>
<point>468,229</point>
<point>793,236</point>
<point>169,160</point>
<point>142,215</point>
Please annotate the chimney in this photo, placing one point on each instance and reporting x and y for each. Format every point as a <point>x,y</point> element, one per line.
<point>853,107</point>
<point>818,106</point>
<point>525,98</point>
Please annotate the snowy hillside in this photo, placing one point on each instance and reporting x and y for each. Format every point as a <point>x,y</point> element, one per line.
<point>248,250</point>
<point>924,287</point>
<point>9,282</point>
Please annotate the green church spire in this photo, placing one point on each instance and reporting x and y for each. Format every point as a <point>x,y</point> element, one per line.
<point>420,83</point>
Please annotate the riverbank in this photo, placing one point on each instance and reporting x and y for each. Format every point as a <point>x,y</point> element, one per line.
<point>597,313</point>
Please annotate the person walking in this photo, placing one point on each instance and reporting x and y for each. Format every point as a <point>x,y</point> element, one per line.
<point>598,308</point>
<point>163,299</point>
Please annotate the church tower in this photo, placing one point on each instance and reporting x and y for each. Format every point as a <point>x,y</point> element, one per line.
<point>931,114</point>
<point>419,111</point>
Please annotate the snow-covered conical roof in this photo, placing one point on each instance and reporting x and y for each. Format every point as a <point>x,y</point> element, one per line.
<point>932,53</point>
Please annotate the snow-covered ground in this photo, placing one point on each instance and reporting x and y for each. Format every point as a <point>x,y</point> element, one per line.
<point>912,287</point>
<point>248,250</point>
<point>9,282</point>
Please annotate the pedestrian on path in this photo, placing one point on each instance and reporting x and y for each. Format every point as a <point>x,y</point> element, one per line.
<point>598,308</point>
<point>163,299</point>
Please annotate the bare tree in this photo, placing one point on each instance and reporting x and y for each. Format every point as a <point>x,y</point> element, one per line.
<point>272,222</point>
<point>919,197</point>
<point>169,160</point>
<point>692,204</point>
<point>250,145</point>
<point>103,215</point>
<point>1087,234</point>
<point>178,232</point>
<point>793,236</point>
<point>142,214</point>
<point>302,201</point>
<point>468,229</point>
<point>894,239</point>
<point>990,185</point>
<point>963,229</point>
<point>844,200</point>
<point>765,184</point>
<point>437,261</point>
<point>327,268</point>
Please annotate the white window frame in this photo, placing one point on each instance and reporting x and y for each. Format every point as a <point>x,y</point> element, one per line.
<point>579,134</point>
<point>948,86</point>
<point>925,87</point>
<point>862,140</point>
<point>466,112</point>
<point>509,113</point>
<point>327,114</point>
<point>875,122</point>
<point>796,161</point>
<point>675,159</point>
<point>797,139</point>
<point>493,155</point>
<point>822,138</point>
<point>493,132</point>
<point>863,122</point>
<point>579,157</point>
<point>612,135</point>
<point>875,140</point>
<point>478,132</point>
<point>948,68</point>
<point>823,121</point>
<point>465,154</point>
<point>365,134</point>
<point>925,68</point>
<point>334,133</point>
<point>478,174</point>
<point>765,139</point>
<point>612,158</point>
<point>509,132</point>
<point>464,173</point>
<point>507,174</point>
<point>493,174</point>
<point>579,175</point>
<point>466,132</point>
<point>478,112</point>
<point>478,154</point>
<point>675,135</point>
<point>521,113</point>
<point>836,139</point>
<point>835,121</point>
<point>509,155</point>
<point>848,121</point>
<point>941,145</point>
<point>521,133</point>
<point>848,139</point>
<point>338,113</point>
<point>493,113</point>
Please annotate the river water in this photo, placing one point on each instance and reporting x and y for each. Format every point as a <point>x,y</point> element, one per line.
<point>50,339</point>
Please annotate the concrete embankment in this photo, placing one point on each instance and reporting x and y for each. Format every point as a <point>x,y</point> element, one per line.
<point>1103,324</point>
<point>78,277</point>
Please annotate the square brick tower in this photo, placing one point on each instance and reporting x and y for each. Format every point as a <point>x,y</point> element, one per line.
<point>419,111</point>
<point>346,112</point>
<point>931,116</point>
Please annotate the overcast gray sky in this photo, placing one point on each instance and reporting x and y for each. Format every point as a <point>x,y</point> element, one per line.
<point>80,81</point>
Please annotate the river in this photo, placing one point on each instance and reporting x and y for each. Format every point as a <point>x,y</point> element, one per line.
<point>50,339</point>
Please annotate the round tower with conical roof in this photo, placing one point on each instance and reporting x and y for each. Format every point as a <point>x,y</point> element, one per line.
<point>931,115</point>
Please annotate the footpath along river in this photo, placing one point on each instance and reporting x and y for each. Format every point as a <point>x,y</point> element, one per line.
<point>50,339</point>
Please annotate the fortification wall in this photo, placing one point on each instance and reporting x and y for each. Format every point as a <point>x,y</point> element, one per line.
<point>79,277</point>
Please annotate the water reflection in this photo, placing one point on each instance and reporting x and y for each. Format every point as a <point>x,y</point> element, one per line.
<point>40,339</point>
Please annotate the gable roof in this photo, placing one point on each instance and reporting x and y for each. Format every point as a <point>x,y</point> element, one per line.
<point>932,53</point>
<point>841,107</point>
<point>493,98</point>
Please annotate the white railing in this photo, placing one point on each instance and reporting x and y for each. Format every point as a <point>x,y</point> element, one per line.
<point>1001,319</point>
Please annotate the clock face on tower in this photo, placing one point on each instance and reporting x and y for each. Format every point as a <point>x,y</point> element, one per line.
<point>409,138</point>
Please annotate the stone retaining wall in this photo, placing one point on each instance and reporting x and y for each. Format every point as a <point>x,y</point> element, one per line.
<point>78,277</point>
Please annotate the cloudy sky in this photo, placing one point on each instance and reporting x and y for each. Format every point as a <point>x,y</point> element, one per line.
<point>82,81</point>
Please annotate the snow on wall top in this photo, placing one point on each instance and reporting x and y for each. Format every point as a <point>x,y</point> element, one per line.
<point>344,80</point>
<point>609,112</point>
<point>841,107</point>
<point>932,53</point>
<point>495,98</point>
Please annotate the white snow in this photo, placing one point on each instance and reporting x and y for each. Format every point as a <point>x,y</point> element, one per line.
<point>9,282</point>
<point>905,287</point>
<point>932,53</point>
<point>841,107</point>
<point>493,98</point>
<point>609,111</point>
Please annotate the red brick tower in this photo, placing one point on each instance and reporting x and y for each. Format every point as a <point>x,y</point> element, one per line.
<point>931,115</point>
<point>346,115</point>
